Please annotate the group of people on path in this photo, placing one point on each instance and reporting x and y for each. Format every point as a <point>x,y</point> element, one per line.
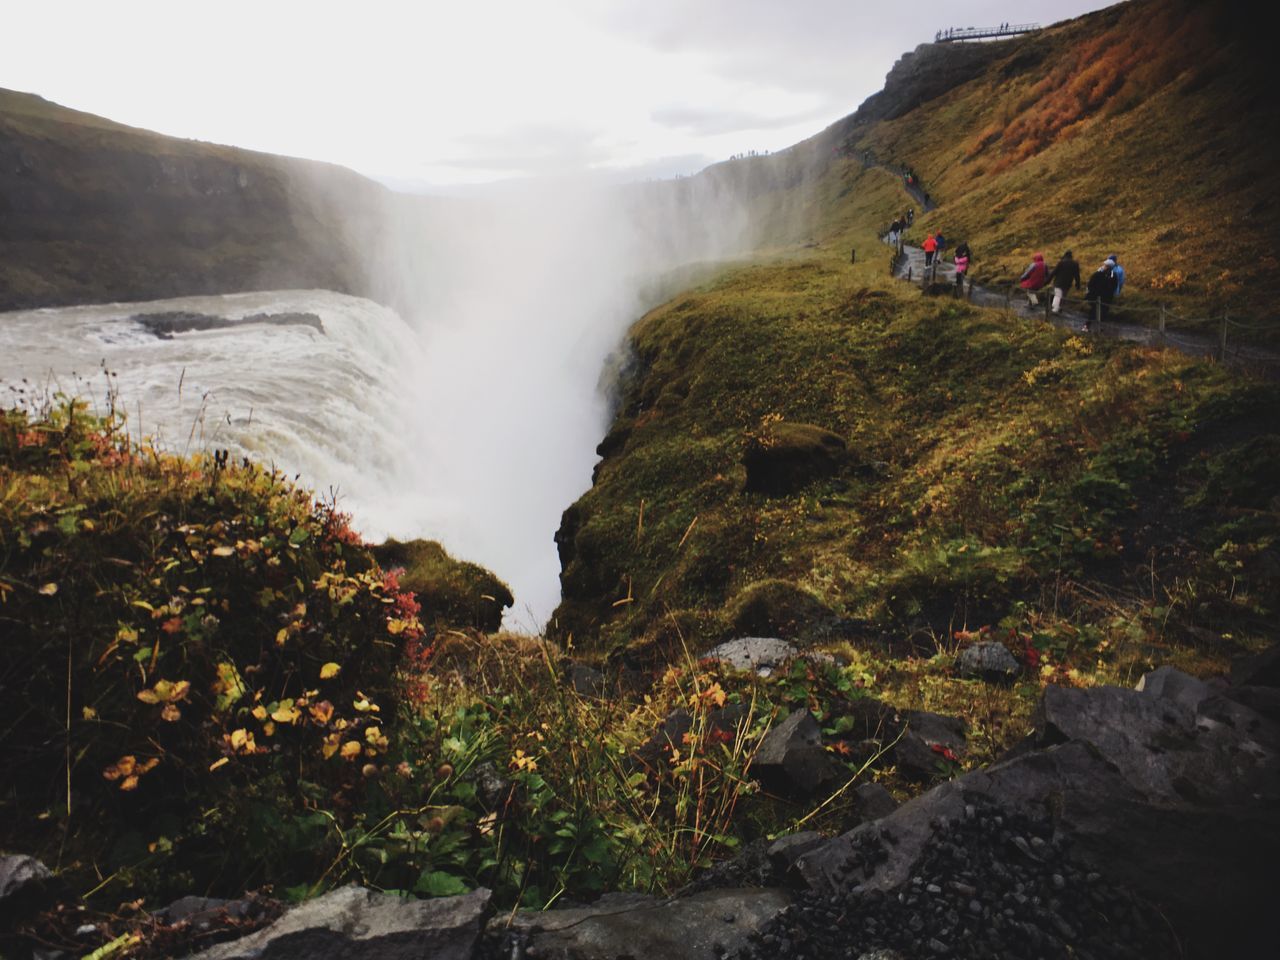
<point>899,226</point>
<point>933,246</point>
<point>1100,292</point>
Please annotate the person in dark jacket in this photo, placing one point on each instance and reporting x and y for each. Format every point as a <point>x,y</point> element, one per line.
<point>1066,274</point>
<point>1100,289</point>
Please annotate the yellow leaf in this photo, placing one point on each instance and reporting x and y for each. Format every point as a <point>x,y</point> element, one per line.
<point>148,696</point>
<point>286,713</point>
<point>127,635</point>
<point>219,763</point>
<point>281,636</point>
<point>170,713</point>
<point>350,750</point>
<point>89,713</point>
<point>330,745</point>
<point>329,671</point>
<point>321,712</point>
<point>239,738</point>
<point>395,627</point>
<point>224,551</point>
<point>49,589</point>
<point>259,712</point>
<point>129,783</point>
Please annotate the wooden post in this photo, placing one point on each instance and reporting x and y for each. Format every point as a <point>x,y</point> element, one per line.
<point>910,270</point>
<point>853,255</point>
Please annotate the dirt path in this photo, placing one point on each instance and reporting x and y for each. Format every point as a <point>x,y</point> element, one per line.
<point>1239,355</point>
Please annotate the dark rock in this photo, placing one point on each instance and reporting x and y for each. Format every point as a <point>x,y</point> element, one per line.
<point>165,325</point>
<point>203,910</point>
<point>785,851</point>
<point>679,723</point>
<point>357,924</point>
<point>990,661</point>
<point>1151,795</point>
<point>791,758</point>
<point>872,801</point>
<point>1265,701</point>
<point>586,681</point>
<point>786,457</point>
<point>698,927</point>
<point>492,788</point>
<point>26,887</point>
<point>1173,684</point>
<point>1259,670</point>
<point>922,750</point>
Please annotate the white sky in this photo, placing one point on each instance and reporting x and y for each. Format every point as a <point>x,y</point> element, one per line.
<point>436,93</point>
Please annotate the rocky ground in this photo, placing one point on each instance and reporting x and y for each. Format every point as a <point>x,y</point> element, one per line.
<point>1132,823</point>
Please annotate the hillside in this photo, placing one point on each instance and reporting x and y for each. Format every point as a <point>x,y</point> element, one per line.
<point>1000,573</point>
<point>93,211</point>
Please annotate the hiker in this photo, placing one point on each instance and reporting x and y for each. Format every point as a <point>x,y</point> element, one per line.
<point>1034,278</point>
<point>911,216</point>
<point>962,267</point>
<point>930,248</point>
<point>1066,274</point>
<point>1100,289</point>
<point>942,244</point>
<point>1118,271</point>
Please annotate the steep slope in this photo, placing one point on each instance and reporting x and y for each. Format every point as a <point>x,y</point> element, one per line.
<point>94,211</point>
<point>996,470</point>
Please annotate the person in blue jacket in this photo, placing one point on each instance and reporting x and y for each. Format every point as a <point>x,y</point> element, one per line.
<point>1118,272</point>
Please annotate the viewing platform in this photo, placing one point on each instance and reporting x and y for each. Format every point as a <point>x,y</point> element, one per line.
<point>955,34</point>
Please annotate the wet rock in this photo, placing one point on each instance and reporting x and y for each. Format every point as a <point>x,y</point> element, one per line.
<point>165,325</point>
<point>700,927</point>
<point>791,758</point>
<point>358,924</point>
<point>990,661</point>
<point>786,457</point>
<point>762,654</point>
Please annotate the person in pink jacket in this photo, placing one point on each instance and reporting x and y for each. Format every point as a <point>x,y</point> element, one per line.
<point>1034,278</point>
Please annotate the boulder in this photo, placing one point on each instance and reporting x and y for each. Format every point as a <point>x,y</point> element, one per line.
<point>586,681</point>
<point>786,457</point>
<point>1265,701</point>
<point>990,661</point>
<point>792,760</point>
<point>26,887</point>
<point>1172,684</point>
<point>352,923</point>
<point>785,851</point>
<point>1181,807</point>
<point>929,741</point>
<point>671,734</point>
<point>704,926</point>
<point>778,608</point>
<point>762,654</point>
<point>872,801</point>
<point>1259,670</point>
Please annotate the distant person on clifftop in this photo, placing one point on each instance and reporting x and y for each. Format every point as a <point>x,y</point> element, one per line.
<point>930,248</point>
<point>1034,278</point>
<point>1066,274</point>
<point>911,216</point>
<point>1100,290</point>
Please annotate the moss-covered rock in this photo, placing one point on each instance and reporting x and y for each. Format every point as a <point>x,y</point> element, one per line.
<point>453,593</point>
<point>786,457</point>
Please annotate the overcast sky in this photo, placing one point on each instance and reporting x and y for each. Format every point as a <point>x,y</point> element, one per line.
<point>471,91</point>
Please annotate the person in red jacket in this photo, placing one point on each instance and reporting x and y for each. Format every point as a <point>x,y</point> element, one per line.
<point>1034,278</point>
<point>930,248</point>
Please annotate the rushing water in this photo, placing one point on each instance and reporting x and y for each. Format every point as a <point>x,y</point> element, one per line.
<point>336,406</point>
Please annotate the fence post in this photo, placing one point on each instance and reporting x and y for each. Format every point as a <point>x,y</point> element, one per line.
<point>1097,313</point>
<point>853,255</point>
<point>1222,338</point>
<point>1162,336</point>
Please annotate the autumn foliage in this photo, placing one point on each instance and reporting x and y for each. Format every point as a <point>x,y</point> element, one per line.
<point>180,637</point>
